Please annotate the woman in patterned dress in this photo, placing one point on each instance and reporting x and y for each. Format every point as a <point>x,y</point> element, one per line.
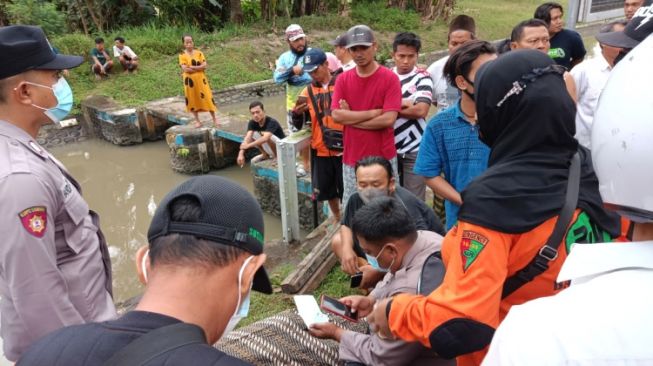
<point>199,97</point>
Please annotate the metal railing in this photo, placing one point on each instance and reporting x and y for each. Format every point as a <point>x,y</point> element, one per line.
<point>286,159</point>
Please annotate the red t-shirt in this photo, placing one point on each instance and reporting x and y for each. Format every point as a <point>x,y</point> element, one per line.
<point>381,90</point>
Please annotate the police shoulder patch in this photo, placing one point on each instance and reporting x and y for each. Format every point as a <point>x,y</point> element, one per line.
<point>471,246</point>
<point>34,220</point>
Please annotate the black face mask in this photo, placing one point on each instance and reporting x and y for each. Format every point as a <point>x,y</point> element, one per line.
<point>471,95</point>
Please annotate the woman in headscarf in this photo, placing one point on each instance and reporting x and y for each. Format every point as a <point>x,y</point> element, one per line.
<point>526,117</point>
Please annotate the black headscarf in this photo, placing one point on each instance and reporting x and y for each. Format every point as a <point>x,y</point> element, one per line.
<point>526,117</point>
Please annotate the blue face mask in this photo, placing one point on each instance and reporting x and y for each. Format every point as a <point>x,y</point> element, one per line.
<point>242,309</point>
<point>64,96</point>
<point>374,262</point>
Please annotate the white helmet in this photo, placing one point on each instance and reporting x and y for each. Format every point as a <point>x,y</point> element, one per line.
<point>622,136</point>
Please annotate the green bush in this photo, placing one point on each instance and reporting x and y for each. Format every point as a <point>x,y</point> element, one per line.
<point>37,12</point>
<point>385,19</point>
<point>73,44</point>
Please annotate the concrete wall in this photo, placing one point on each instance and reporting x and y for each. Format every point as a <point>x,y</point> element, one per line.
<point>266,190</point>
<point>245,92</point>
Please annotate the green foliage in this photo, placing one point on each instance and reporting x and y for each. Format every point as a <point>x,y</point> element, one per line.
<point>38,12</point>
<point>73,44</point>
<point>251,10</point>
<point>207,15</point>
<point>384,19</point>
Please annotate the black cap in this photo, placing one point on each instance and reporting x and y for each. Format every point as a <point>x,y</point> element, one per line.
<point>340,41</point>
<point>639,27</point>
<point>359,35</point>
<point>230,216</point>
<point>24,47</point>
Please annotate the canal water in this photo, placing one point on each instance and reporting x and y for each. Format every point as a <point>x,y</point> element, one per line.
<point>124,185</point>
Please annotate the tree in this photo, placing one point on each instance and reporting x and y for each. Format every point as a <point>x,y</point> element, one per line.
<point>435,9</point>
<point>235,12</point>
<point>43,13</point>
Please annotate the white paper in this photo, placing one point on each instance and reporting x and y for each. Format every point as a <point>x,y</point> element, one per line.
<point>308,310</point>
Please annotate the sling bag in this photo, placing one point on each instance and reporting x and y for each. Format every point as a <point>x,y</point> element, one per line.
<point>549,251</point>
<point>155,343</point>
<point>332,138</point>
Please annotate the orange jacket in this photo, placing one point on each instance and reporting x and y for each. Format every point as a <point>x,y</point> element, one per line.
<point>459,317</point>
<point>323,98</point>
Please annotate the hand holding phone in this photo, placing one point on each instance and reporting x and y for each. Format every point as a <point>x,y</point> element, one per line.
<point>336,307</point>
<point>301,100</point>
<point>356,280</point>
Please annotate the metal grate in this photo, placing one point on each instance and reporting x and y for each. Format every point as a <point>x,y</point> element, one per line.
<point>605,5</point>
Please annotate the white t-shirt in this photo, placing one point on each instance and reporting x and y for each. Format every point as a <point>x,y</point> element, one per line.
<point>604,318</point>
<point>348,66</point>
<point>590,77</point>
<point>444,94</point>
<point>117,52</point>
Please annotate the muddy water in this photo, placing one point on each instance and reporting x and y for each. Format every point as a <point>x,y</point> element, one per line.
<point>275,107</point>
<point>124,185</point>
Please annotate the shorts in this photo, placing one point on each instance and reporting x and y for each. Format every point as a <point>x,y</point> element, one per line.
<point>326,177</point>
<point>273,140</point>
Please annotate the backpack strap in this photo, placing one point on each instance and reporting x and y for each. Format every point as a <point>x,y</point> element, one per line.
<point>155,343</point>
<point>549,251</point>
<point>318,113</point>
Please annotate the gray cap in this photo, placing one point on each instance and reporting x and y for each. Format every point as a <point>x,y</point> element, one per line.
<point>359,35</point>
<point>340,41</point>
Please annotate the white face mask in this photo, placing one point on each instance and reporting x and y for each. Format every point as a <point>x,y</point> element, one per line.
<point>144,265</point>
<point>242,308</point>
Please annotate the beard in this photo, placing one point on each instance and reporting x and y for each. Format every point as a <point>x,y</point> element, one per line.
<point>297,52</point>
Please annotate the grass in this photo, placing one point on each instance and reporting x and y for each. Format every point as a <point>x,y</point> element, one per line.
<point>241,54</point>
<point>336,284</point>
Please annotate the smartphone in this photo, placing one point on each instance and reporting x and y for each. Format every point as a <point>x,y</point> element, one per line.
<point>356,280</point>
<point>335,307</point>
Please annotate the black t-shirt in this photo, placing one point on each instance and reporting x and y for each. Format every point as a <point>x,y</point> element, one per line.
<point>94,343</point>
<point>423,215</point>
<point>270,125</point>
<point>566,45</point>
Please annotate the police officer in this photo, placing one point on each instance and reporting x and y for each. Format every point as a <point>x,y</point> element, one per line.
<point>54,264</point>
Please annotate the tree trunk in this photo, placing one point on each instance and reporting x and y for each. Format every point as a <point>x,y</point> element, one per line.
<point>439,9</point>
<point>235,12</point>
<point>91,11</point>
<point>82,17</point>
<point>343,8</point>
<point>265,9</point>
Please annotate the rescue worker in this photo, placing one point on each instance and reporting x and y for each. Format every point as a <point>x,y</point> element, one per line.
<point>604,318</point>
<point>55,268</point>
<point>508,213</point>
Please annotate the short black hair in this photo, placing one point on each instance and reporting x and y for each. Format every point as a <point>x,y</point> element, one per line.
<point>518,30</point>
<point>382,219</point>
<point>256,103</point>
<point>119,39</point>
<point>188,250</point>
<point>460,61</point>
<point>610,26</point>
<point>409,39</point>
<point>3,85</point>
<point>543,12</point>
<point>183,37</point>
<point>99,40</point>
<point>375,160</point>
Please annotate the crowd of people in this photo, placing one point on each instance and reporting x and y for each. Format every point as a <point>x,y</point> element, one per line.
<point>542,159</point>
